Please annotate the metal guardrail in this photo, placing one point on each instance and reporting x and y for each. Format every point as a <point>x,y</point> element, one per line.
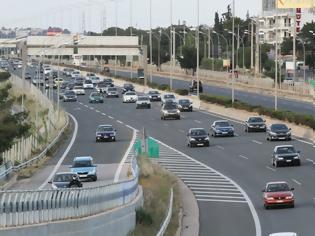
<point>19,208</point>
<point>168,216</point>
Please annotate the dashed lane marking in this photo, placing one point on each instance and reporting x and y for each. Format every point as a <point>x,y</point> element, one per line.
<point>257,142</point>
<point>110,117</point>
<point>244,157</point>
<point>198,121</point>
<point>270,168</point>
<point>220,147</point>
<point>297,182</point>
<point>120,122</point>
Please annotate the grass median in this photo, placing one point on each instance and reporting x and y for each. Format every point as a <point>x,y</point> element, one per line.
<point>156,183</point>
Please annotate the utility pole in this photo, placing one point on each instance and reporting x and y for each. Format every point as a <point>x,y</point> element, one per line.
<point>238,45</point>
<point>276,60</point>
<point>197,47</point>
<point>257,51</point>
<point>151,41</point>
<point>171,45</point>
<point>233,53</point>
<point>252,46</point>
<point>145,65</point>
<point>294,43</point>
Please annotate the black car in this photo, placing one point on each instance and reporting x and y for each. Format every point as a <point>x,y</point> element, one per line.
<point>197,137</point>
<point>109,82</point>
<point>170,110</point>
<point>69,96</point>
<point>128,87</point>
<point>54,74</point>
<point>278,132</point>
<point>255,123</point>
<point>65,180</point>
<point>185,105</point>
<point>63,85</point>
<point>154,96</point>
<point>285,155</point>
<point>193,86</point>
<point>28,75</point>
<point>222,128</point>
<point>105,133</point>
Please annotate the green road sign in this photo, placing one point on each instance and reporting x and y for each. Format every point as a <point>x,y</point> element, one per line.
<point>153,148</point>
<point>312,82</point>
<point>137,147</point>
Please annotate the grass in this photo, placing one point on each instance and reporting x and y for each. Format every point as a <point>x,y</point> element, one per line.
<point>156,184</point>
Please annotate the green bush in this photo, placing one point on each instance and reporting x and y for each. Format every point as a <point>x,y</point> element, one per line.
<point>297,118</point>
<point>164,87</point>
<point>4,76</point>
<point>182,92</point>
<point>142,217</point>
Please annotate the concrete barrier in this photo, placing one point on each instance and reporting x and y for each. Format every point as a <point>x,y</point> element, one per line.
<point>118,221</point>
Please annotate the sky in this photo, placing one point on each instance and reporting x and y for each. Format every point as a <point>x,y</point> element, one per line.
<point>69,13</point>
<point>101,13</point>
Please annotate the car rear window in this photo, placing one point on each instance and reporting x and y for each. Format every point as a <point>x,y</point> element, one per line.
<point>222,124</point>
<point>256,119</point>
<point>285,150</point>
<point>198,132</point>
<point>63,178</point>
<point>86,163</point>
<point>278,187</point>
<point>105,129</point>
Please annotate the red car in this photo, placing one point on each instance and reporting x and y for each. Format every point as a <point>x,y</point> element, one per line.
<point>278,194</point>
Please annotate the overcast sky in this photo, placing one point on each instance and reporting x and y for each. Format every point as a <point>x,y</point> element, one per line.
<point>68,13</point>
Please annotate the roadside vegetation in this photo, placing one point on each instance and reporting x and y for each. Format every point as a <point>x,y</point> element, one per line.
<point>156,183</point>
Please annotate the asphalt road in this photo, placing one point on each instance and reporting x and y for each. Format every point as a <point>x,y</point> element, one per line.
<point>244,158</point>
<point>248,97</point>
<point>227,156</point>
<point>107,155</point>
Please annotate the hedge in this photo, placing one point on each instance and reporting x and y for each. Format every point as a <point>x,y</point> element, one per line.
<point>182,92</point>
<point>4,76</point>
<point>293,117</point>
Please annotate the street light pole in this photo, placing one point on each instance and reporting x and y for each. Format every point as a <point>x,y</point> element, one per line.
<point>130,14</point>
<point>150,41</point>
<point>276,60</point>
<point>197,66</point>
<point>171,46</point>
<point>233,49</point>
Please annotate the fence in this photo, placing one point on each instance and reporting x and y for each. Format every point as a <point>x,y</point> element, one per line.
<point>22,152</point>
<point>19,208</point>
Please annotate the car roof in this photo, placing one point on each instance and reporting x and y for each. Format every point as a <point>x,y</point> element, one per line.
<point>276,147</point>
<point>191,129</point>
<point>84,158</point>
<point>105,126</point>
<point>254,117</point>
<point>64,173</point>
<point>220,121</point>
<point>277,182</point>
<point>130,92</point>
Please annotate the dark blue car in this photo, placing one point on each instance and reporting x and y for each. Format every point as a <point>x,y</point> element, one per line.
<point>222,128</point>
<point>105,133</point>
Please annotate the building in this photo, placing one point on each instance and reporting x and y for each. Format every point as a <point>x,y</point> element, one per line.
<point>267,23</point>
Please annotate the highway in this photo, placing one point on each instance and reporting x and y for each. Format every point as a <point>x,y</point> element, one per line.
<point>244,96</point>
<point>245,159</point>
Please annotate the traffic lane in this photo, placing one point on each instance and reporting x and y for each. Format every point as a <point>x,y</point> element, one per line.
<point>85,144</point>
<point>158,130</point>
<point>251,98</point>
<point>257,160</point>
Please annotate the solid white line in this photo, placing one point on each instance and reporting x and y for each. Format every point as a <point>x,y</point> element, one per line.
<point>297,182</point>
<point>103,114</point>
<point>97,111</point>
<point>217,196</point>
<point>86,106</point>
<point>223,193</point>
<point>243,157</point>
<point>198,121</point>
<point>92,108</point>
<point>123,160</point>
<point>194,174</point>
<point>182,131</point>
<point>120,122</point>
<point>225,182</point>
<point>269,168</point>
<point>219,200</point>
<point>255,141</point>
<point>203,178</point>
<point>220,147</point>
<point>313,162</point>
<point>179,164</point>
<point>248,200</point>
<point>216,189</point>
<point>57,166</point>
<point>110,117</point>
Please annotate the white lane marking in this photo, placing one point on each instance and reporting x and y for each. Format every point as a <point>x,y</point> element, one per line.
<point>248,200</point>
<point>220,200</point>
<point>220,147</point>
<point>123,160</point>
<point>218,196</point>
<point>97,111</point>
<point>57,166</point>
<point>165,124</point>
<point>216,192</point>
<point>120,122</point>
<point>269,168</point>
<point>297,182</point>
<point>209,182</point>
<point>198,121</point>
<point>310,160</point>
<point>244,157</point>
<point>80,103</point>
<point>255,141</point>
<point>86,106</point>
<point>182,131</point>
<point>110,117</point>
<point>128,126</point>
<point>103,114</point>
<point>236,135</point>
<point>223,188</point>
<point>77,109</point>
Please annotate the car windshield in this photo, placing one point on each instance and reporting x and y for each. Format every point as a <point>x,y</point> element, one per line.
<point>70,93</point>
<point>63,178</point>
<point>88,82</point>
<point>85,163</point>
<point>102,85</point>
<point>154,92</point>
<point>143,99</point>
<point>131,93</point>
<point>105,129</point>
<point>279,187</point>
<point>112,89</point>
<point>255,119</point>
<point>198,132</point>
<point>78,87</point>
<point>169,96</point>
<point>222,124</point>
<point>279,127</point>
<point>285,150</point>
<point>170,106</point>
<point>184,101</point>
<point>96,95</point>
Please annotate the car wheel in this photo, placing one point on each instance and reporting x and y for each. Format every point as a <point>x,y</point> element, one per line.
<point>178,118</point>
<point>248,130</point>
<point>266,207</point>
<point>149,107</point>
<point>114,140</point>
<point>207,145</point>
<point>289,139</point>
<point>267,138</point>
<point>276,164</point>
<point>299,163</point>
<point>188,144</point>
<point>94,178</point>
<point>96,140</point>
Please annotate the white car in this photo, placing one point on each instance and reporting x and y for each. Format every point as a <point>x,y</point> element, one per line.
<point>87,84</point>
<point>112,92</point>
<point>283,234</point>
<point>58,81</point>
<point>143,102</point>
<point>75,74</point>
<point>79,90</point>
<point>130,97</point>
<point>95,79</point>
<point>47,71</point>
<point>168,97</point>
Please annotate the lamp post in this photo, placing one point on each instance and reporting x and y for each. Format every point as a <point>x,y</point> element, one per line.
<point>233,49</point>
<point>226,41</point>
<point>150,41</point>
<point>208,35</point>
<point>197,66</point>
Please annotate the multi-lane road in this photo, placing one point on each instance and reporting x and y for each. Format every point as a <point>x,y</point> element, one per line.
<point>244,159</point>
<point>245,96</point>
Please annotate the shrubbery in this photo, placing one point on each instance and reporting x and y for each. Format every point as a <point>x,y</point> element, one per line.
<point>4,76</point>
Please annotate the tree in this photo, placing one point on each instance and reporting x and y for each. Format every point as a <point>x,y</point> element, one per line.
<point>189,58</point>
